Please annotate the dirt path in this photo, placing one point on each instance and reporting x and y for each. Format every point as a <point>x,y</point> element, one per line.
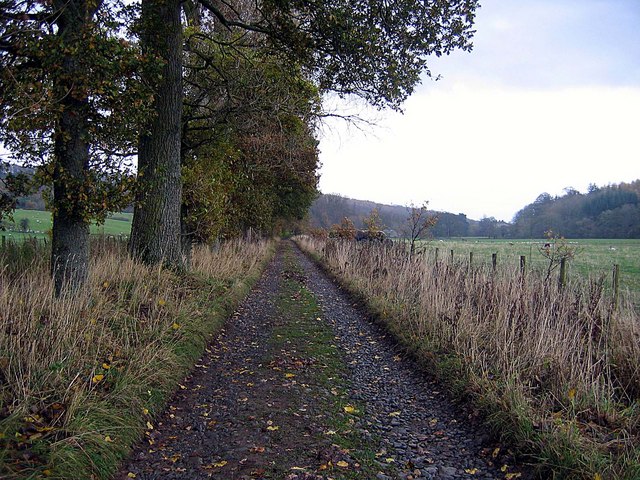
<point>299,386</point>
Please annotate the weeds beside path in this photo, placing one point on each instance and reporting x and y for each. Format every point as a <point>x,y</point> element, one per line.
<point>82,377</point>
<point>553,368</point>
<point>300,385</point>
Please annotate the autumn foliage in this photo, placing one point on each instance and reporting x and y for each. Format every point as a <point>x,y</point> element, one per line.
<point>346,230</point>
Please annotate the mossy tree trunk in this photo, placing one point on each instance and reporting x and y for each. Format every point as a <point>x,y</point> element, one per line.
<point>155,234</point>
<point>70,234</point>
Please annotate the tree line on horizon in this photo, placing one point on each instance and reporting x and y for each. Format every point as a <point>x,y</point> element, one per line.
<point>611,211</point>
<point>217,100</point>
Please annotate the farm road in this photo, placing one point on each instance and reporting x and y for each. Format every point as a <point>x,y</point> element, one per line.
<point>301,386</point>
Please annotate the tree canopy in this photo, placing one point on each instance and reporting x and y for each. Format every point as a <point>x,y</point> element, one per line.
<point>221,95</point>
<point>249,153</point>
<point>70,100</point>
<point>371,49</point>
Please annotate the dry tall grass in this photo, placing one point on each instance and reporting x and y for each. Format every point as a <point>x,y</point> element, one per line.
<point>557,369</point>
<point>81,376</point>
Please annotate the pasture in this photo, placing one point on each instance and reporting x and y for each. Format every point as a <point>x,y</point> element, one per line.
<point>595,257</point>
<point>40,223</point>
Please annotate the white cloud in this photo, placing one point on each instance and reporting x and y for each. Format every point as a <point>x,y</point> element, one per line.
<point>489,151</point>
<point>547,99</point>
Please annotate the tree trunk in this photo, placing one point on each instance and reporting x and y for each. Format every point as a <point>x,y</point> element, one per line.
<point>70,242</point>
<point>186,238</point>
<point>155,233</point>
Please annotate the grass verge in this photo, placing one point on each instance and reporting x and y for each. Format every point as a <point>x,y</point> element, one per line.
<point>81,379</point>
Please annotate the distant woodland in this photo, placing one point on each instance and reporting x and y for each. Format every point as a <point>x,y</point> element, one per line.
<point>611,211</point>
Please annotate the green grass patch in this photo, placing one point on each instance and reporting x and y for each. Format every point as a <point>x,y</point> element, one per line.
<point>596,257</point>
<point>304,331</point>
<point>39,225</point>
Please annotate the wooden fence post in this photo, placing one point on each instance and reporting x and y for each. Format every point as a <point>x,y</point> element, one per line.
<point>470,259</point>
<point>437,250</point>
<point>616,285</point>
<point>562,280</point>
<point>494,261</point>
<point>523,264</point>
<point>452,256</point>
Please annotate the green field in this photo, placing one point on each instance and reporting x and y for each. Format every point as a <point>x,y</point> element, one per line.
<point>596,256</point>
<point>40,224</point>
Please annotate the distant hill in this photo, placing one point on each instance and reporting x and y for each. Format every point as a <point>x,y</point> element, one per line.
<point>330,209</point>
<point>12,169</point>
<point>612,211</point>
<point>30,202</point>
<point>34,201</point>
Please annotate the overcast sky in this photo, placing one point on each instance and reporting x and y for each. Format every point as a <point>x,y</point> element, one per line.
<point>549,98</point>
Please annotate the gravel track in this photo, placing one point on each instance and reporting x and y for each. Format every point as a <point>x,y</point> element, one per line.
<point>418,425</point>
<point>218,423</point>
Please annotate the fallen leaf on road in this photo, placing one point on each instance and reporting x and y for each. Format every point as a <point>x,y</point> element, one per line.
<point>471,471</point>
<point>342,464</point>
